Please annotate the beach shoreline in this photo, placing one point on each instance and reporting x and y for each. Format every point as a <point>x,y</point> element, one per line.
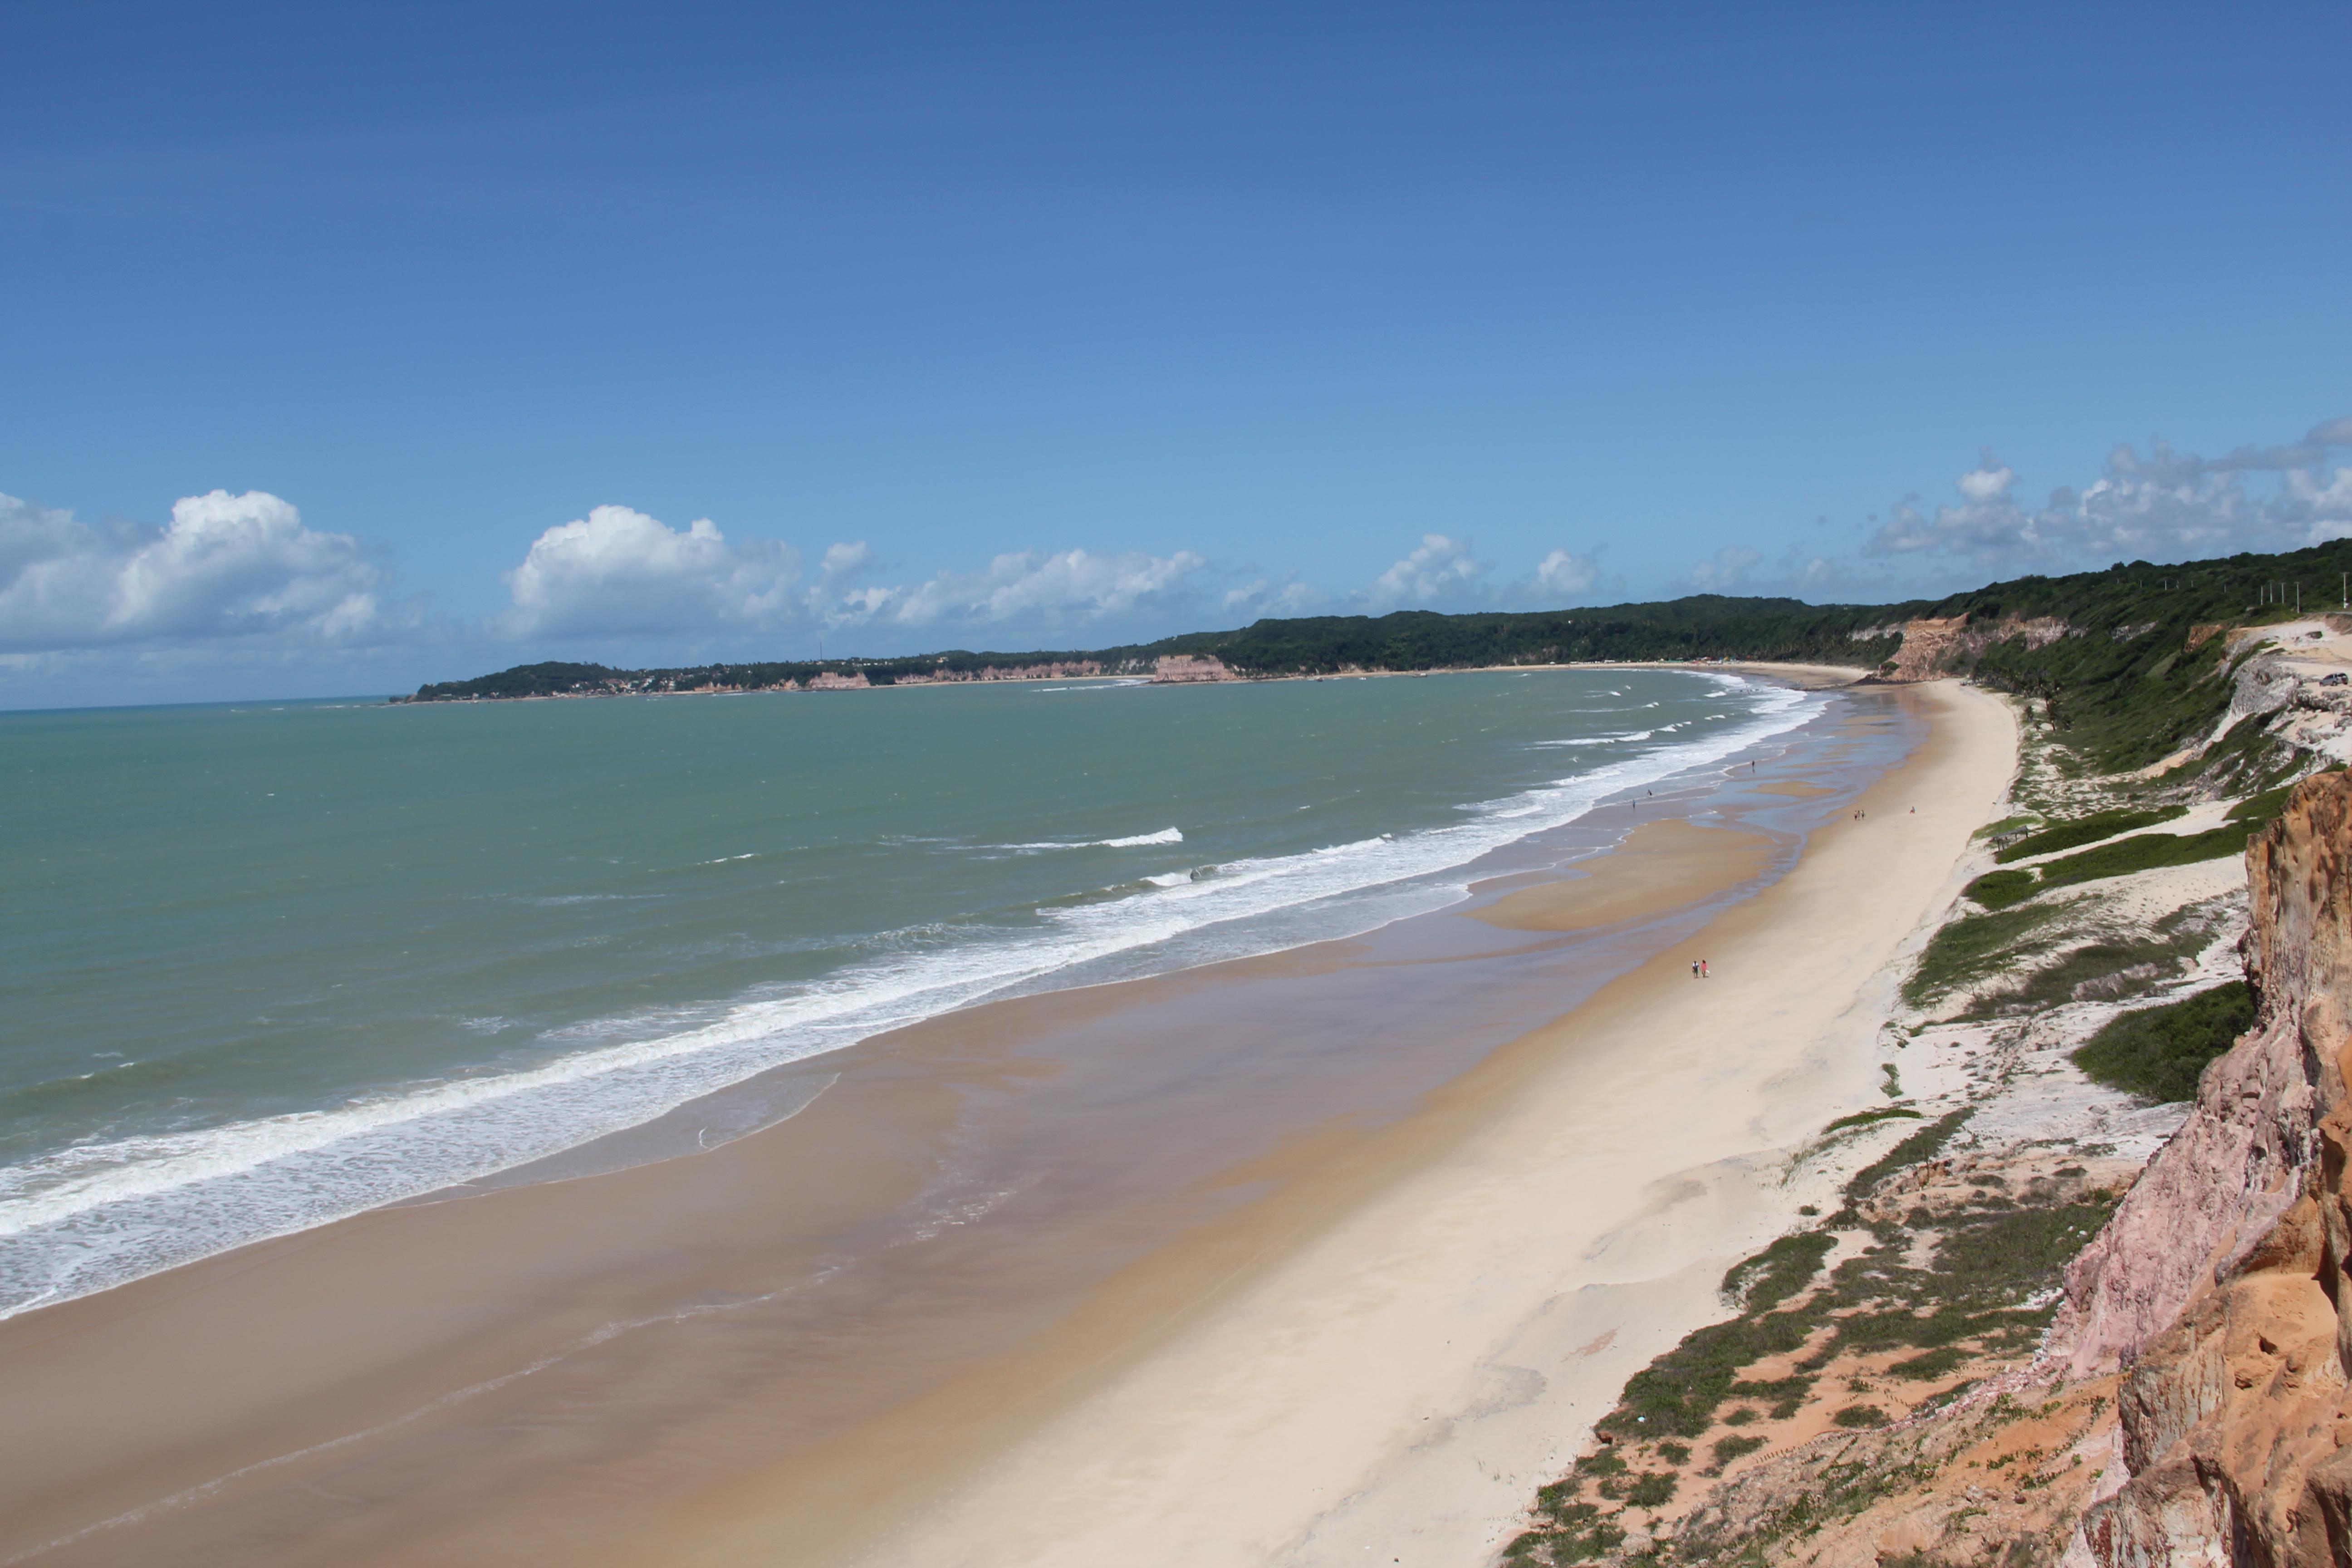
<point>1812,677</point>
<point>1393,1363</point>
<point>328,1337</point>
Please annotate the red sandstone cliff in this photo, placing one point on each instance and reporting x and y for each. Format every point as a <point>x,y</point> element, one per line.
<point>1933,649</point>
<point>2221,1285</point>
<point>1186,670</point>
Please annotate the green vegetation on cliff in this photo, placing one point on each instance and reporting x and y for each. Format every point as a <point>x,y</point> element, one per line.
<point>2129,659</point>
<point>2141,852</point>
<point>2160,1052</point>
<point>2085,830</point>
<point>1979,1288</point>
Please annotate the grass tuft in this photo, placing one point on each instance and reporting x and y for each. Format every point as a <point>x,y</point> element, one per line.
<point>2259,810</point>
<point>1974,948</point>
<point>1729,1448</point>
<point>1924,1145</point>
<point>1762,1283</point>
<point>2000,889</point>
<point>1866,1118</point>
<point>2086,830</point>
<point>2161,1052</point>
<point>2143,852</point>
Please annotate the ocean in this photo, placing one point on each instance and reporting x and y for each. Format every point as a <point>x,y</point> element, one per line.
<point>263,966</point>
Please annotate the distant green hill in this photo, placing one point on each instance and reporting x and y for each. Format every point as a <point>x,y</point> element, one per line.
<point>2136,672</point>
<point>2129,659</point>
<point>1706,626</point>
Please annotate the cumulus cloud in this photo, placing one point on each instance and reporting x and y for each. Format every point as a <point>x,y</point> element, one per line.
<point>1265,598</point>
<point>225,568</point>
<point>617,571</point>
<point>847,560</point>
<point>2167,505</point>
<point>1813,573</point>
<point>1563,573</point>
<point>1438,568</point>
<point>1072,585</point>
<point>1725,571</point>
<point>2304,453</point>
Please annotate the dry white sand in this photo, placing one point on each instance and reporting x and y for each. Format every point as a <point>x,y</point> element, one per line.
<point>1395,1389</point>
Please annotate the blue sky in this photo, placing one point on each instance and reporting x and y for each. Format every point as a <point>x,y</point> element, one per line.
<point>507,331</point>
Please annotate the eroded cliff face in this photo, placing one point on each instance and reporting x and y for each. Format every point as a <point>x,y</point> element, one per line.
<point>1187,669</point>
<point>2220,1287</point>
<point>1933,649</point>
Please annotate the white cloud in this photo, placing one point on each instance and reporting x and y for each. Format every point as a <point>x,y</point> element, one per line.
<point>1987,483</point>
<point>1075,585</point>
<point>862,603</point>
<point>619,573</point>
<point>1563,573</point>
<point>1439,568</point>
<point>2312,450</point>
<point>843,560</point>
<point>2166,506</point>
<point>226,568</point>
<point>2321,506</point>
<point>1813,573</point>
<point>1265,598</point>
<point>1726,572</point>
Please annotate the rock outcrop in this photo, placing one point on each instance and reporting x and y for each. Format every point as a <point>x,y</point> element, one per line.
<point>1186,670</point>
<point>1933,649</point>
<point>2220,1287</point>
<point>1929,647</point>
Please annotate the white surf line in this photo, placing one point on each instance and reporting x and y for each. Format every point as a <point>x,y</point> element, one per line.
<point>849,1007</point>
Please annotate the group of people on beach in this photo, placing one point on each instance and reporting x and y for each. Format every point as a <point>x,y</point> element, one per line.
<point>1698,969</point>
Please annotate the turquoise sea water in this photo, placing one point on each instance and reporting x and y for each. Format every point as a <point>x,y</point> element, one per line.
<point>264,966</point>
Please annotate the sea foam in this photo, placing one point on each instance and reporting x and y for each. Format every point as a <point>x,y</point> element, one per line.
<point>101,1213</point>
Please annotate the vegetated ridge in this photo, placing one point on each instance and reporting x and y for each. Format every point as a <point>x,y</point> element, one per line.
<point>2131,663</point>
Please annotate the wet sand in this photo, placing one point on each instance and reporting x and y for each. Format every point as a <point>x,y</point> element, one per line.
<point>987,1238</point>
<point>1641,878</point>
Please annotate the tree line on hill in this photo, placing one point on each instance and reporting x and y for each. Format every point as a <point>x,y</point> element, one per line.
<point>2126,659</point>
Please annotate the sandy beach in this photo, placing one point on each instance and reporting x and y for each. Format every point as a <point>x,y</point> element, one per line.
<point>1295,1259</point>
<point>1394,1387</point>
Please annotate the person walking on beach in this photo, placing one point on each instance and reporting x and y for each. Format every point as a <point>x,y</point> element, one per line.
<point>1694,969</point>
<point>1702,969</point>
